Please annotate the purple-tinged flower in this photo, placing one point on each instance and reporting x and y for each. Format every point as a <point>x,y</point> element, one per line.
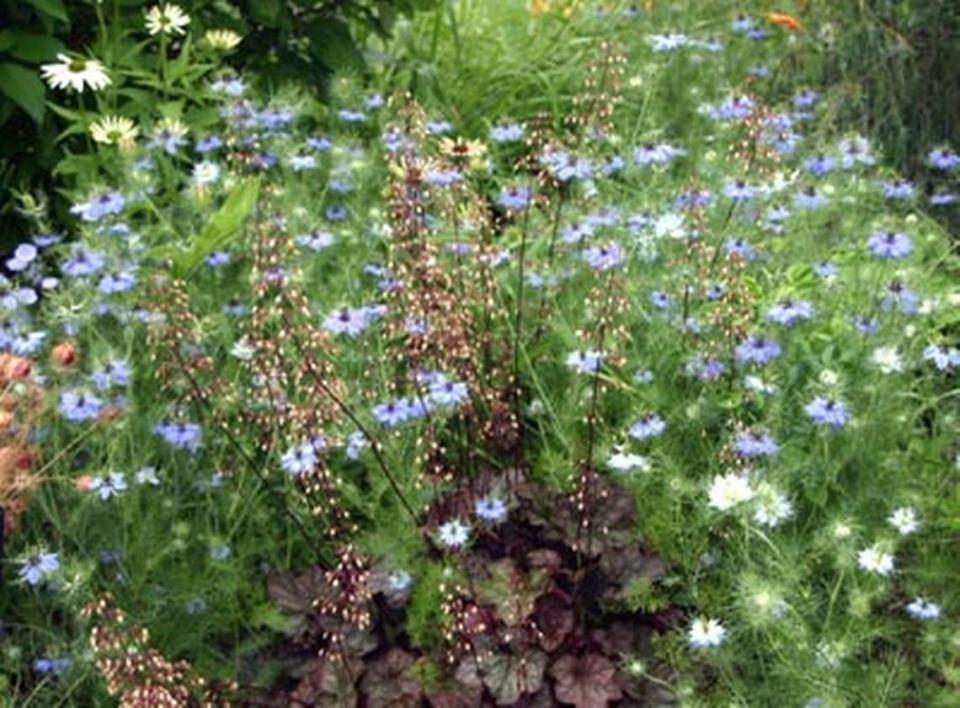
<point>758,350</point>
<point>604,257</point>
<point>819,165</point>
<point>442,178</point>
<point>668,42</point>
<point>82,262</point>
<point>943,159</point>
<point>183,436</point>
<point>924,610</point>
<point>37,567</point>
<point>115,372</point>
<point>392,413</point>
<point>890,244</point>
<point>755,444</point>
<point>734,108</point>
<point>712,369</point>
<point>809,199</point>
<point>855,151</point>
<point>585,362</point>
<point>741,24</point>
<point>349,116</point>
<point>490,509</point>
<point>805,99</point>
<point>78,407</point>
<point>660,300</point>
<point>373,101</point>
<point>649,426</point>
<point>898,296</point>
<point>652,154</point>
<point>299,459</point>
<point>693,199</point>
<point>46,240</point>
<point>826,411</point>
<point>120,282</point>
<point>608,216</point>
<point>612,165</point>
<point>759,71</point>
<point>739,247</point>
<point>336,213</point>
<point>739,191</point>
<point>438,127</point>
<point>565,167</point>
<point>898,189</point>
<point>942,198</point>
<point>109,485</point>
<point>515,198</point>
<point>865,326</point>
<point>825,270</point>
<point>943,357</point>
<point>448,394</point>
<point>319,143</point>
<point>315,240</point>
<point>23,256</point>
<point>348,321</point>
<point>506,133</point>
<point>56,666</point>
<point>576,232</point>
<point>216,259</point>
<point>790,312</point>
<point>208,144</point>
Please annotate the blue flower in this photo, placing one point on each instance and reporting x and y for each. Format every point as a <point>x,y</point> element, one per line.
<point>349,116</point>
<point>739,247</point>
<point>184,436</point>
<point>825,411</point>
<point>55,666</point>
<point>78,407</point>
<point>805,99</point>
<point>438,127</point>
<point>120,282</point>
<point>515,198</point>
<point>604,257</point>
<point>490,509</point>
<point>319,143</point>
<point>315,240</point>
<point>819,165</point>
<point>82,262</point>
<point>660,300</point>
<point>899,189</point>
<point>898,296</point>
<point>585,362</point>
<point>758,350</point>
<point>650,426</point>
<point>755,444</point>
<point>809,198</point>
<point>739,191</point>
<point>943,159</point>
<point>108,486</point>
<point>208,144</point>
<point>23,256</point>
<point>99,206</point>
<point>37,567</point>
<point>942,356</point>
<point>790,312</point>
<point>890,245</point>
<point>448,394</point>
<point>348,321</point>
<point>115,372</point>
<point>651,154</point>
<point>565,167</point>
<point>506,133</point>
<point>392,413</point>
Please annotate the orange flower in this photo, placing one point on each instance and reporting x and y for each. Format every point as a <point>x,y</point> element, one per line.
<point>786,21</point>
<point>83,483</point>
<point>64,354</point>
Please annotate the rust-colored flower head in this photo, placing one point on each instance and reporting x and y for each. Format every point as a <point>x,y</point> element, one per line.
<point>64,354</point>
<point>82,483</point>
<point>13,368</point>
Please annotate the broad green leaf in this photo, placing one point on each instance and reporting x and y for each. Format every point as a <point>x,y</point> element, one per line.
<point>222,226</point>
<point>333,45</point>
<point>23,87</point>
<point>35,48</point>
<point>51,8</point>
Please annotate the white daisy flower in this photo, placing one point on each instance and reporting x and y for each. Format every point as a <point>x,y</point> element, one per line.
<point>222,39</point>
<point>114,130</point>
<point>76,73</point>
<point>167,19</point>
<point>706,633</point>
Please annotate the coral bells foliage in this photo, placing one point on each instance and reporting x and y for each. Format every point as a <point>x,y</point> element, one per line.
<point>635,390</point>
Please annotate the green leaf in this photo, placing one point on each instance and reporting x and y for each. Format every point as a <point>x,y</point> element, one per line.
<point>35,48</point>
<point>332,44</point>
<point>23,87</point>
<point>221,227</point>
<point>51,8</point>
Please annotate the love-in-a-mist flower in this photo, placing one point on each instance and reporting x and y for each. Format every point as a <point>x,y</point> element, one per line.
<point>628,462</point>
<point>887,360</point>
<point>706,633</point>
<point>942,356</point>
<point>650,426</point>
<point>167,19</point>
<point>904,520</point>
<point>923,609</point>
<point>890,244</point>
<point>37,567</point>
<point>490,509</point>
<point>454,534</point>
<point>76,73</point>
<point>875,560</point>
<point>585,362</point>
<point>825,411</point>
<point>299,459</point>
<point>729,490</point>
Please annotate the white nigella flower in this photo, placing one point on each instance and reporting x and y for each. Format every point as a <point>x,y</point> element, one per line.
<point>773,506</point>
<point>222,39</point>
<point>670,225</point>
<point>904,520</point>
<point>454,533</point>
<point>76,73</point>
<point>167,19</point>
<point>146,475</point>
<point>243,350</point>
<point>114,130</point>
<point>706,633</point>
<point>205,173</point>
<point>628,462</point>
<point>922,609</point>
<point>887,360</point>
<point>726,491</point>
<point>875,560</point>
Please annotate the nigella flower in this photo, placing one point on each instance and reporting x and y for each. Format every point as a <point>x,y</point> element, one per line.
<point>668,42</point>
<point>604,257</point>
<point>734,108</point>
<point>216,259</point>
<point>706,633</point>
<point>298,162</point>
<point>208,144</point>
<point>899,296</point>
<point>506,133</point>
<point>78,407</point>
<point>109,485</point>
<point>120,282</point>
<point>712,369</point>
<point>355,443</point>
<point>755,444</point>
<point>628,462</point>
<point>565,167</point>
<point>693,199</point>
<point>805,99</point>
<point>942,356</point>
<point>650,426</point>
<point>825,270</point>
<point>113,373</point>
<point>819,165</point>
<point>739,191</point>
<point>23,256</point>
<point>943,159</point>
<point>759,70</point>
<point>46,240</point>
<point>448,394</point>
<point>392,413</point>
<point>146,475</point>
<point>789,312</point>
<point>490,509</point>
<point>219,552</point>
<point>442,178</point>
<point>741,24</point>
<point>184,436</point>
<point>82,262</point>
<point>875,560</point>
<point>651,154</point>
<point>809,198</point>
<point>585,362</point>
<point>299,459</point>
<point>438,127</point>
<point>373,101</point>
<point>515,198</point>
<point>454,534</point>
<point>37,567</point>
<point>904,520</point>
<point>660,300</point>
<point>772,507</point>
<point>865,326</point>
<point>28,344</point>
<point>942,198</point>
<point>729,490</point>
<point>336,213</point>
<point>99,206</point>
<point>611,165</point>
<point>922,609</point>
<point>349,321</point>
<point>56,666</point>
<point>890,244</point>
<point>758,350</point>
<point>315,240</point>
<point>855,151</point>
<point>898,189</point>
<point>608,216</point>
<point>319,143</point>
<point>826,411</point>
<point>739,247</point>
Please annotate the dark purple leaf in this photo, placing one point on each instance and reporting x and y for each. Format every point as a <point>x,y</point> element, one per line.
<point>588,681</point>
